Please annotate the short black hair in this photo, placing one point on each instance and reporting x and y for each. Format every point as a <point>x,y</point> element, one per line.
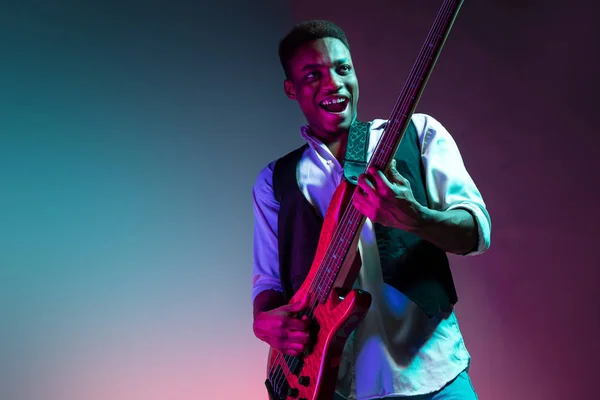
<point>307,31</point>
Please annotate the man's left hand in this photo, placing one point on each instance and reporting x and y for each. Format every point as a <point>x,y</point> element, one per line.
<point>388,199</point>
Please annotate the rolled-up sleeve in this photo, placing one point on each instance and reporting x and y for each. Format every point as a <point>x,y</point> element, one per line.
<point>265,273</point>
<point>449,185</point>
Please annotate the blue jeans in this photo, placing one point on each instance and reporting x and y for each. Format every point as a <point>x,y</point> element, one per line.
<point>460,388</point>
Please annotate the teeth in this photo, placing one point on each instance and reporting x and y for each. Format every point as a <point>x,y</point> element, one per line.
<point>333,101</point>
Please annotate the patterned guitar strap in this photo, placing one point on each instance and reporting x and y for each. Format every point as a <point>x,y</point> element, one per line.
<point>355,160</point>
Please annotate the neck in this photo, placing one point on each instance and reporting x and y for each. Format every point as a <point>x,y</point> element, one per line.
<point>338,147</point>
<point>336,144</point>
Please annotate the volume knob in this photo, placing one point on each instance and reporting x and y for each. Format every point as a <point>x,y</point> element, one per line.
<point>304,380</point>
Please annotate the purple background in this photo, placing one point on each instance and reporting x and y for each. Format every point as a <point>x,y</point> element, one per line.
<point>516,86</point>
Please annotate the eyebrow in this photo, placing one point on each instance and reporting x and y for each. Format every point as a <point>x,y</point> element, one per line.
<point>313,66</point>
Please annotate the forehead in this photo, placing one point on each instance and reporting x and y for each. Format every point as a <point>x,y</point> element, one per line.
<point>325,51</point>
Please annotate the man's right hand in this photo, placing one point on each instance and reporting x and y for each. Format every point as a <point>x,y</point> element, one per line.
<point>282,330</point>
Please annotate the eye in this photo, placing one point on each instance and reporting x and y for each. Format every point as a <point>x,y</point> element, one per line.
<point>345,68</point>
<point>311,75</point>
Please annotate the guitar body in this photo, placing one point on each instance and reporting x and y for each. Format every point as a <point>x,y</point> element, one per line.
<point>336,320</point>
<point>333,321</point>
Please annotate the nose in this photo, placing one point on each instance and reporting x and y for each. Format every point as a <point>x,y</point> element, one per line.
<point>332,81</point>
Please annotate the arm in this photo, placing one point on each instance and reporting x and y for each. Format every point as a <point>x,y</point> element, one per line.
<point>455,203</point>
<point>265,274</point>
<point>267,300</point>
<point>274,321</point>
<point>454,231</point>
<point>455,219</point>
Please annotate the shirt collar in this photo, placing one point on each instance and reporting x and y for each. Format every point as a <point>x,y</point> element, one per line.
<point>316,144</point>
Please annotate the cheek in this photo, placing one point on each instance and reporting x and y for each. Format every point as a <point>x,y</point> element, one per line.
<point>306,101</point>
<point>353,88</point>
<point>306,106</point>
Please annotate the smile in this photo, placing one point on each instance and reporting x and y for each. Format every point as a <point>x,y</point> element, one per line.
<point>335,104</point>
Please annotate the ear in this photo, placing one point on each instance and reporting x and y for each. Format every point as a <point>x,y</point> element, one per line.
<point>290,91</point>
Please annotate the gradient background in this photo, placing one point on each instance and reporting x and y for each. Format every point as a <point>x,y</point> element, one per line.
<point>131,133</point>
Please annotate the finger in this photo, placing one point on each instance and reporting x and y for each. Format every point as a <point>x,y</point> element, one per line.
<point>365,185</point>
<point>295,324</point>
<point>298,337</point>
<point>382,183</point>
<point>394,176</point>
<point>295,349</point>
<point>385,182</point>
<point>373,177</point>
<point>298,306</point>
<point>284,348</point>
<point>364,206</point>
<point>394,167</point>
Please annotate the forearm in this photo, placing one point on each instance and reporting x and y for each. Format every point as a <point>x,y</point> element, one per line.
<point>454,231</point>
<point>267,300</point>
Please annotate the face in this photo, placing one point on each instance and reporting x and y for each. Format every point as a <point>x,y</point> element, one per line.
<point>323,81</point>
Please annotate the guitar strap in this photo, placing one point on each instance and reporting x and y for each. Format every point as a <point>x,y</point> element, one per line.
<point>355,160</point>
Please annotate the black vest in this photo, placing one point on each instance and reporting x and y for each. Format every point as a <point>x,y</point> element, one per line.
<point>412,265</point>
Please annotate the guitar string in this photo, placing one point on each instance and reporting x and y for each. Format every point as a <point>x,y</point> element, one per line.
<point>351,212</point>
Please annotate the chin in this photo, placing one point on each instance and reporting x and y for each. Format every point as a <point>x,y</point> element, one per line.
<point>338,126</point>
<point>334,124</point>
<point>338,120</point>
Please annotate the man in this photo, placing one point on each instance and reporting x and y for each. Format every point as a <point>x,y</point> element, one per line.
<point>409,344</point>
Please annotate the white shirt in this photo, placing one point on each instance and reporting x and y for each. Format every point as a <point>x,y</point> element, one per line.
<point>396,350</point>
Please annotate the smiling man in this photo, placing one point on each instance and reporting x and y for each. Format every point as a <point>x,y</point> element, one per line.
<point>409,344</point>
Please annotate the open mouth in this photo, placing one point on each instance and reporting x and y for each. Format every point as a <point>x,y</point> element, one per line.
<point>335,105</point>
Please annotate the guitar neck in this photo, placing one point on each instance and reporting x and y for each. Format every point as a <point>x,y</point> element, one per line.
<point>352,221</point>
<point>415,85</point>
